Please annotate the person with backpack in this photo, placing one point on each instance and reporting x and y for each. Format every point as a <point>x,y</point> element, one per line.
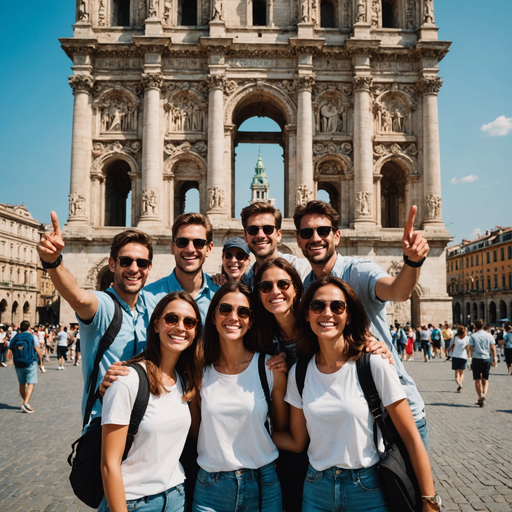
<point>25,353</point>
<point>333,413</point>
<point>435,336</point>
<point>151,477</point>
<point>236,454</point>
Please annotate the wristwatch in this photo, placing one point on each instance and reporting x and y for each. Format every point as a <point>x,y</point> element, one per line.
<point>55,264</point>
<point>413,264</point>
<point>434,500</point>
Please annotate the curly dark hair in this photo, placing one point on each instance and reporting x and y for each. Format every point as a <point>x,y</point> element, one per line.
<point>356,331</point>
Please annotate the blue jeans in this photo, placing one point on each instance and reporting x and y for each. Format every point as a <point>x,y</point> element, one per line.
<point>423,429</point>
<point>340,490</point>
<point>426,349</point>
<point>172,500</point>
<point>244,490</point>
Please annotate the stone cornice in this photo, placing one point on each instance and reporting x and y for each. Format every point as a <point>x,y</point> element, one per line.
<point>152,80</point>
<point>367,47</point>
<point>83,45</point>
<point>81,83</point>
<point>152,44</point>
<point>429,85</point>
<point>432,49</point>
<point>363,83</point>
<point>311,46</point>
<point>214,44</point>
<point>305,83</point>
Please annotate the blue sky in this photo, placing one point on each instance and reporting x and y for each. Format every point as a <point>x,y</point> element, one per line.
<point>475,114</point>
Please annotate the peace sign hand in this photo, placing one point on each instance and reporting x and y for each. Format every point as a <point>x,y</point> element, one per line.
<point>414,245</point>
<point>50,246</point>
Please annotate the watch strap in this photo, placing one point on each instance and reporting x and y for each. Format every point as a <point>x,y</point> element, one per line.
<point>413,264</point>
<point>55,264</point>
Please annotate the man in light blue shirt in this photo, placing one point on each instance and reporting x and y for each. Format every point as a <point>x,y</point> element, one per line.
<point>508,347</point>
<point>318,235</point>
<point>192,235</point>
<point>481,345</point>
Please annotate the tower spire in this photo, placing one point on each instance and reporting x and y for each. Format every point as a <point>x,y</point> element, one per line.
<point>259,185</point>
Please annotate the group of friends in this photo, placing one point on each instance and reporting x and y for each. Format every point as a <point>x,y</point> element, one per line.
<point>208,349</point>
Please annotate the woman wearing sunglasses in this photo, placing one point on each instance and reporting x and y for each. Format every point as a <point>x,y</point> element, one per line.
<point>333,412</point>
<point>235,258</point>
<point>151,478</point>
<point>236,451</point>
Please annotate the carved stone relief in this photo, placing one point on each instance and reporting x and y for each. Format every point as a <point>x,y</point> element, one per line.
<point>186,113</point>
<point>117,113</point>
<point>215,198</point>
<point>152,80</point>
<point>76,205</point>
<point>433,204</point>
<point>83,11</point>
<point>217,11</point>
<point>376,13</point>
<point>360,11</point>
<point>428,11</point>
<point>392,113</point>
<point>410,15</point>
<point>330,167</point>
<point>199,147</point>
<point>363,200</point>
<point>92,275</point>
<point>149,202</point>
<point>429,85</point>
<point>332,110</point>
<point>99,148</point>
<point>304,194</point>
<point>81,83</point>
<point>153,9</point>
<point>320,148</point>
<point>102,14</point>
<point>167,17</point>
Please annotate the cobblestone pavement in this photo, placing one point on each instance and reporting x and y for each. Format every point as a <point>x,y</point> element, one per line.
<point>470,447</point>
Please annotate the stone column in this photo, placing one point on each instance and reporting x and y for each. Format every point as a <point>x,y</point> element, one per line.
<point>363,153</point>
<point>81,150</point>
<point>216,183</point>
<point>429,88</point>
<point>304,178</point>
<point>151,157</point>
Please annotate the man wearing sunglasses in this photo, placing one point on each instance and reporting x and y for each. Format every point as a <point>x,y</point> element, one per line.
<point>130,260</point>
<point>318,235</point>
<point>191,244</point>
<point>262,232</point>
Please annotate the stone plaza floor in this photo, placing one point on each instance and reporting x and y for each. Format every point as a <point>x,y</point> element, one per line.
<point>470,447</point>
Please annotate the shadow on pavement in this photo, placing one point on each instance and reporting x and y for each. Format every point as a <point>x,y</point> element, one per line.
<point>9,407</point>
<point>502,410</point>
<point>451,405</point>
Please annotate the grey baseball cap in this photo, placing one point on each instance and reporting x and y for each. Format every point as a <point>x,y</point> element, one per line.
<point>237,242</point>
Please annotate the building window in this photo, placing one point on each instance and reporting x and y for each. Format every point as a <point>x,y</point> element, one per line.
<point>477,263</point>
<point>488,283</point>
<point>467,262</point>
<point>509,252</point>
<point>189,12</point>
<point>510,281</point>
<point>259,13</point>
<point>388,17</point>
<point>452,266</point>
<point>494,256</point>
<point>503,281</point>
<point>488,257</point>
<point>495,281</point>
<point>471,260</point>
<point>121,13</point>
<point>502,253</point>
<point>327,14</point>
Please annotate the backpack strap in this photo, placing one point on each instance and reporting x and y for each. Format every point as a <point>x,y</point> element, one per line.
<point>105,342</point>
<point>266,390</point>
<point>364,374</point>
<point>139,407</point>
<point>300,373</point>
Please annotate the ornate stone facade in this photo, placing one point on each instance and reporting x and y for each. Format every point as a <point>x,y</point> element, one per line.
<point>162,87</point>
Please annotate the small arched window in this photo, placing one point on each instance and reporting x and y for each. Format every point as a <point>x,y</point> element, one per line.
<point>259,13</point>
<point>327,14</point>
<point>121,13</point>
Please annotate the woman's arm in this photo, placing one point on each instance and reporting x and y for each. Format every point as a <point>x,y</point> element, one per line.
<point>195,413</point>
<point>113,441</point>
<point>280,412</point>
<point>403,420</point>
<point>295,439</point>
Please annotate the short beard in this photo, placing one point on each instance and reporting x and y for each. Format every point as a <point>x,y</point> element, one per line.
<point>265,256</point>
<point>325,260</point>
<point>120,284</point>
<point>186,271</point>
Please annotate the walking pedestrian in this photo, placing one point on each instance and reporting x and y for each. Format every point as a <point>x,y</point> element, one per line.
<point>62,346</point>
<point>460,351</point>
<point>435,338</point>
<point>409,348</point>
<point>425,343</point>
<point>508,347</point>
<point>3,347</point>
<point>447,334</point>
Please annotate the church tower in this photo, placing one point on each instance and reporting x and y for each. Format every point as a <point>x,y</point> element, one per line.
<point>260,186</point>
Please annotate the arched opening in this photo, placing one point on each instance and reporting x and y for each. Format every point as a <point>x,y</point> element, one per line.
<point>503,310</point>
<point>388,16</point>
<point>328,193</point>
<point>117,189</point>
<point>457,313</point>
<point>3,309</point>
<point>259,13</point>
<point>14,311</point>
<point>474,312</point>
<point>481,311</point>
<point>467,320</point>
<point>327,14</point>
<point>186,197</point>
<point>187,12</point>
<point>392,195</point>
<point>26,308</point>
<point>492,313</point>
<point>191,200</point>
<point>105,278</point>
<point>121,13</point>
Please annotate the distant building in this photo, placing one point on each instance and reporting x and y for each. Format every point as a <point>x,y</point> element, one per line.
<point>260,187</point>
<point>479,277</point>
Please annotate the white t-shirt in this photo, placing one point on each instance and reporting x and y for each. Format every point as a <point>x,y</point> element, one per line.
<point>339,421</point>
<point>460,347</point>
<point>62,339</point>
<point>41,336</point>
<point>152,465</point>
<point>232,434</point>
<point>425,335</point>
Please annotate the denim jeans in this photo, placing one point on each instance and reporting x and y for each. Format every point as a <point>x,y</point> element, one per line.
<point>422,427</point>
<point>426,346</point>
<point>244,490</point>
<point>172,500</point>
<point>341,490</point>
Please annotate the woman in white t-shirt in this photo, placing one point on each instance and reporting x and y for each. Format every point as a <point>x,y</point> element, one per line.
<point>460,352</point>
<point>236,453</point>
<point>151,478</point>
<point>333,412</point>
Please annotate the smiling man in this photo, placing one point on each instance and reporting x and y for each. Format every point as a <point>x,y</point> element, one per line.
<point>318,235</point>
<point>130,260</point>
<point>191,244</point>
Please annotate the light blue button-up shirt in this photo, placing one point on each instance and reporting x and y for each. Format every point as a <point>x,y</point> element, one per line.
<point>130,341</point>
<point>363,275</point>
<point>154,292</point>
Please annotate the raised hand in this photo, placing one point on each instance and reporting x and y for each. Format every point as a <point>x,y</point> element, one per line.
<point>50,246</point>
<point>414,245</point>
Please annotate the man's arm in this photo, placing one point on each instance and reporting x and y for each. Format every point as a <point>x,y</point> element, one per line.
<point>39,355</point>
<point>49,248</point>
<point>415,247</point>
<point>494,355</point>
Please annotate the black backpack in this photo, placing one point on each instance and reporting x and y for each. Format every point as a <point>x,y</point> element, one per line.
<point>85,457</point>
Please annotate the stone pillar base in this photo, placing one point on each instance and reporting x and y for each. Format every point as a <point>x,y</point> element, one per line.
<point>305,30</point>
<point>217,28</point>
<point>428,32</point>
<point>217,216</point>
<point>150,224</point>
<point>433,224</point>
<point>153,27</point>
<point>362,30</point>
<point>363,224</point>
<point>82,29</point>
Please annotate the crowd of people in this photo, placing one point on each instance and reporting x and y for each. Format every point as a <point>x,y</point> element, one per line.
<point>220,352</point>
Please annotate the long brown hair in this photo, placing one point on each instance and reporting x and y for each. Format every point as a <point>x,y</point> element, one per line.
<point>355,332</point>
<point>189,367</point>
<point>211,341</point>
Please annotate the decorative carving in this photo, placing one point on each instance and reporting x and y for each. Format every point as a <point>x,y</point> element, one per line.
<point>117,113</point>
<point>407,153</point>
<point>346,13</point>
<point>330,167</point>
<point>433,204</point>
<point>219,82</point>
<point>149,202</point>
<point>152,80</point>
<point>199,147</point>
<point>375,13</point>
<point>205,12</point>
<point>410,15</point>
<point>76,205</point>
<point>186,114</point>
<point>83,15</point>
<point>133,147</point>
<point>306,82</point>
<point>215,198</point>
<point>304,194</point>
<point>395,268</point>
<point>428,11</point>
<point>392,114</point>
<point>81,83</point>
<point>429,85</point>
<point>319,149</point>
<point>364,203</point>
<point>92,275</point>
<point>167,12</point>
<point>101,14</point>
<point>360,11</point>
<point>362,83</point>
<point>153,9</point>
<point>217,11</point>
<point>304,11</point>
<point>332,109</point>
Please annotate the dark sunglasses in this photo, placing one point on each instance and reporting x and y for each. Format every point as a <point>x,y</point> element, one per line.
<point>182,243</point>
<point>240,256</point>
<point>337,306</point>
<point>126,261</point>
<point>268,286</point>
<point>225,309</point>
<point>323,232</point>
<point>171,319</point>
<point>254,230</point>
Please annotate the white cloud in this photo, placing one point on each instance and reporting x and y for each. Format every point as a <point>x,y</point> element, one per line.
<point>477,233</point>
<point>464,179</point>
<point>499,127</point>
